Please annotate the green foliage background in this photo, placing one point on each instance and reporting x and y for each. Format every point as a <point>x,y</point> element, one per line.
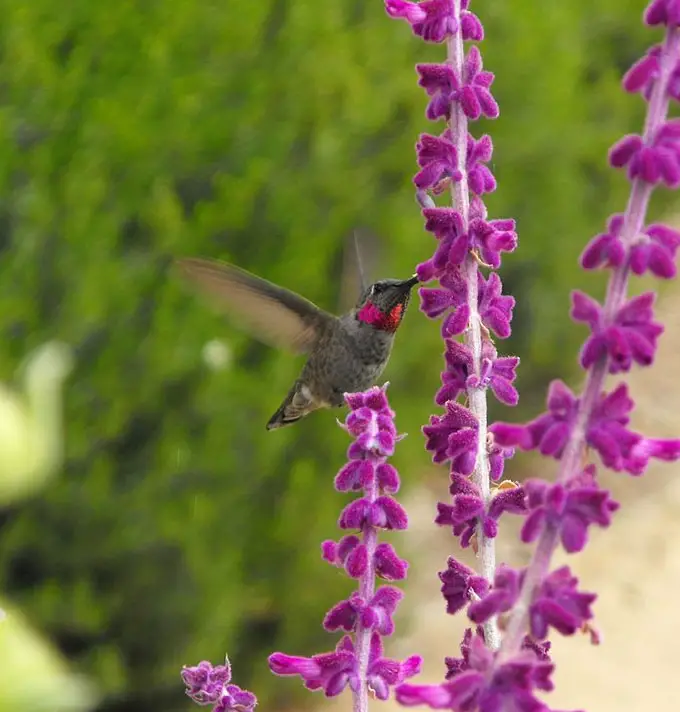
<point>263,133</point>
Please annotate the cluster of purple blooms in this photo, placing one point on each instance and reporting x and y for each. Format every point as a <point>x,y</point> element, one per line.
<point>505,662</point>
<point>366,616</point>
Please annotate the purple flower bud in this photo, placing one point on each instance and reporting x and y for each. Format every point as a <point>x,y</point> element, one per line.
<point>663,12</point>
<point>384,673</point>
<point>655,163</point>
<point>444,85</point>
<point>388,478</point>
<point>570,508</point>
<point>208,685</point>
<point>438,159</point>
<point>480,178</point>
<point>606,249</point>
<point>433,20</point>
<point>631,337</point>
<point>559,604</point>
<point>384,513</point>
<point>388,565</point>
<point>654,249</point>
<point>355,475</point>
<point>453,436</point>
<point>374,615</point>
<point>459,583</point>
<point>494,308</point>
<point>500,599</point>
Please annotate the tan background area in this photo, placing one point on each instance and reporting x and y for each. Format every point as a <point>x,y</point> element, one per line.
<point>634,566</point>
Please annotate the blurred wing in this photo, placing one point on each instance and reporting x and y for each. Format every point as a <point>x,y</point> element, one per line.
<point>270,313</point>
<point>360,259</point>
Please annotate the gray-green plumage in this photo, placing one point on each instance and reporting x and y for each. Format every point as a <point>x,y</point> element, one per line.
<point>346,353</point>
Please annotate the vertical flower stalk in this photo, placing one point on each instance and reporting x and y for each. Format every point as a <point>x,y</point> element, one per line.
<point>469,249</point>
<point>366,616</point>
<point>531,601</point>
<point>622,333</point>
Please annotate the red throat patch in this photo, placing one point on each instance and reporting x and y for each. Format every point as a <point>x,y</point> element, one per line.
<point>370,314</point>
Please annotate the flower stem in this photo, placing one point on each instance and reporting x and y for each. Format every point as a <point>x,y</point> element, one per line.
<point>570,464</point>
<point>366,590</point>
<point>458,126</point>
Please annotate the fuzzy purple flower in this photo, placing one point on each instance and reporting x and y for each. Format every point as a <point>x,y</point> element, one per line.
<point>606,431</point>
<point>333,672</point>
<point>663,12</point>
<point>208,685</point>
<point>487,685</point>
<point>375,614</point>
<point>629,337</point>
<point>653,249</point>
<point>459,585</point>
<point>555,603</point>
<point>569,508</point>
<point>468,509</point>
<point>642,76</point>
<point>654,163</point>
<point>434,21</point>
<point>498,373</point>
<point>445,86</point>
<point>438,160</point>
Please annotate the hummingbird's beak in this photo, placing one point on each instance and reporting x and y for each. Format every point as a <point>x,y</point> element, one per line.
<point>408,284</point>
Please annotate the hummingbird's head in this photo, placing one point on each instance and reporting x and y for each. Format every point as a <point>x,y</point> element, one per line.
<point>383,304</point>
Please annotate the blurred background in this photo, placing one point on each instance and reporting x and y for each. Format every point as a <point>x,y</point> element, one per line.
<point>262,133</point>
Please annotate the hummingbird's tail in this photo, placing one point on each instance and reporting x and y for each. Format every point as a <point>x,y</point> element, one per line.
<point>298,403</point>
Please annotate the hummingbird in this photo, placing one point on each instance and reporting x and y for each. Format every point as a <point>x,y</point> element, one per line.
<point>346,353</point>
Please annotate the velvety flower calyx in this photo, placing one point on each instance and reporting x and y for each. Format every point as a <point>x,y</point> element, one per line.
<point>630,337</point>
<point>570,508</point>
<point>653,250</point>
<point>442,83</point>
<point>658,162</point>
<point>486,685</point>
<point>208,685</point>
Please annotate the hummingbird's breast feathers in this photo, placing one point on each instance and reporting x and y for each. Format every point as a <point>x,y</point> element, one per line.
<point>272,314</point>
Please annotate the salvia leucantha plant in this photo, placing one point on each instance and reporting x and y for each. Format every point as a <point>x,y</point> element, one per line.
<point>504,660</point>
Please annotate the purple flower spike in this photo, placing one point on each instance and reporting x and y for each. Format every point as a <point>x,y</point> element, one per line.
<point>366,614</point>
<point>459,584</point>
<point>442,83</point>
<point>438,160</point>
<point>208,685</point>
<point>655,163</point>
<point>433,20</point>
<point>487,685</point>
<point>570,509</point>
<point>630,338</point>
